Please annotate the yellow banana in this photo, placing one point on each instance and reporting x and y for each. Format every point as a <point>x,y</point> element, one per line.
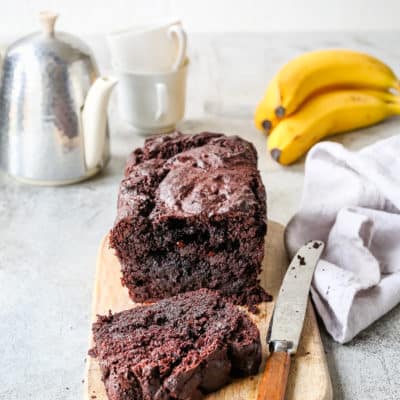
<point>328,114</point>
<point>316,71</point>
<point>265,118</point>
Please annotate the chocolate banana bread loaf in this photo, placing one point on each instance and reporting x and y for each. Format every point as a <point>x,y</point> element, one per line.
<point>178,348</point>
<point>191,214</point>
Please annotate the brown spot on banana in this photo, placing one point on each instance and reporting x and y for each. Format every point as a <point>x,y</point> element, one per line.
<point>280,111</point>
<point>276,154</point>
<point>267,125</point>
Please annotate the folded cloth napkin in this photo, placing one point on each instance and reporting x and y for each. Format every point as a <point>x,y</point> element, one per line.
<point>351,200</point>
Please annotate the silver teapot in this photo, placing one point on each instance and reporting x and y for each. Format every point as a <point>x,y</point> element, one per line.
<point>53,109</point>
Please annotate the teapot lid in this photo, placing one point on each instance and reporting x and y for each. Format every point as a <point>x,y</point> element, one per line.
<point>67,48</point>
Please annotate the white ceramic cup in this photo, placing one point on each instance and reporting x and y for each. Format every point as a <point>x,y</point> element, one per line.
<point>153,48</point>
<point>152,103</point>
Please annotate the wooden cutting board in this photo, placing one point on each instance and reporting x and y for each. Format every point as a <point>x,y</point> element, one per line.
<point>309,377</point>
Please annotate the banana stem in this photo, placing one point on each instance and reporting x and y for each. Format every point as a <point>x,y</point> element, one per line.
<point>280,111</point>
<point>267,125</point>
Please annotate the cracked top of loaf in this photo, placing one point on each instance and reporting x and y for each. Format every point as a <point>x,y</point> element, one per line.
<point>178,175</point>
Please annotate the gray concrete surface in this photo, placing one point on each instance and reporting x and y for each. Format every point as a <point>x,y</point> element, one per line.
<point>49,236</point>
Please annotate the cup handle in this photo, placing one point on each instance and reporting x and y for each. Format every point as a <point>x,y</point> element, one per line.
<point>162,101</point>
<point>177,30</point>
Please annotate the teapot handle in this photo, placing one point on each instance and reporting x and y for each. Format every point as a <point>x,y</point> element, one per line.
<point>94,119</point>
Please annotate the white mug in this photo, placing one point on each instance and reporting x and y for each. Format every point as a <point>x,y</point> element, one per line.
<point>152,48</point>
<point>152,103</point>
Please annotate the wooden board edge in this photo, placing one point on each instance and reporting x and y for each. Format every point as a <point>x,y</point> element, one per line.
<point>89,360</point>
<point>328,392</point>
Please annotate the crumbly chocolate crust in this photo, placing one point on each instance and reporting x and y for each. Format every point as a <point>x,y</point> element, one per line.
<point>179,348</point>
<point>191,214</point>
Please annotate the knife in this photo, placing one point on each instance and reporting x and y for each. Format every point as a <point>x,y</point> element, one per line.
<point>287,321</point>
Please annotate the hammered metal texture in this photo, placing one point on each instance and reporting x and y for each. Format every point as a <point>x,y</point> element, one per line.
<point>43,87</point>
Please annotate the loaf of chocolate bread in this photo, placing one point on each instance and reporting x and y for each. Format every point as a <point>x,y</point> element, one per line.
<point>178,348</point>
<point>191,214</point>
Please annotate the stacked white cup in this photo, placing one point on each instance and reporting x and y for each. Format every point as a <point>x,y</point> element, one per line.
<point>151,65</point>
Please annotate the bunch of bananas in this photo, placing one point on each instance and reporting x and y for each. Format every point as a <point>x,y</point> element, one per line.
<point>322,93</point>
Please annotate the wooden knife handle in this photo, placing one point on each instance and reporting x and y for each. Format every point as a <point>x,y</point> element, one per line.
<point>274,379</point>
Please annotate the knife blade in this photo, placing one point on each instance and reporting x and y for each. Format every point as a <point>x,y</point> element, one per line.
<point>287,320</point>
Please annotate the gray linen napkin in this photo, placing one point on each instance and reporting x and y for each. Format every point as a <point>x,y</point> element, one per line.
<point>351,200</point>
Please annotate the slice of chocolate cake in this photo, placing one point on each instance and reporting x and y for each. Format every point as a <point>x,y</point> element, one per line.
<point>191,214</point>
<point>179,348</point>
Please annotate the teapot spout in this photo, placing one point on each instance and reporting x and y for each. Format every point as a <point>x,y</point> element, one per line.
<point>94,119</point>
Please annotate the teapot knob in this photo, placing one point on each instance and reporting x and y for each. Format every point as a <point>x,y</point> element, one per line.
<point>48,20</point>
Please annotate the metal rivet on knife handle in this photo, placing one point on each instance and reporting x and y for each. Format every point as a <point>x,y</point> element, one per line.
<point>287,321</point>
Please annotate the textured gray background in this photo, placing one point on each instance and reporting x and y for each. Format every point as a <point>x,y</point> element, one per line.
<point>49,236</point>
